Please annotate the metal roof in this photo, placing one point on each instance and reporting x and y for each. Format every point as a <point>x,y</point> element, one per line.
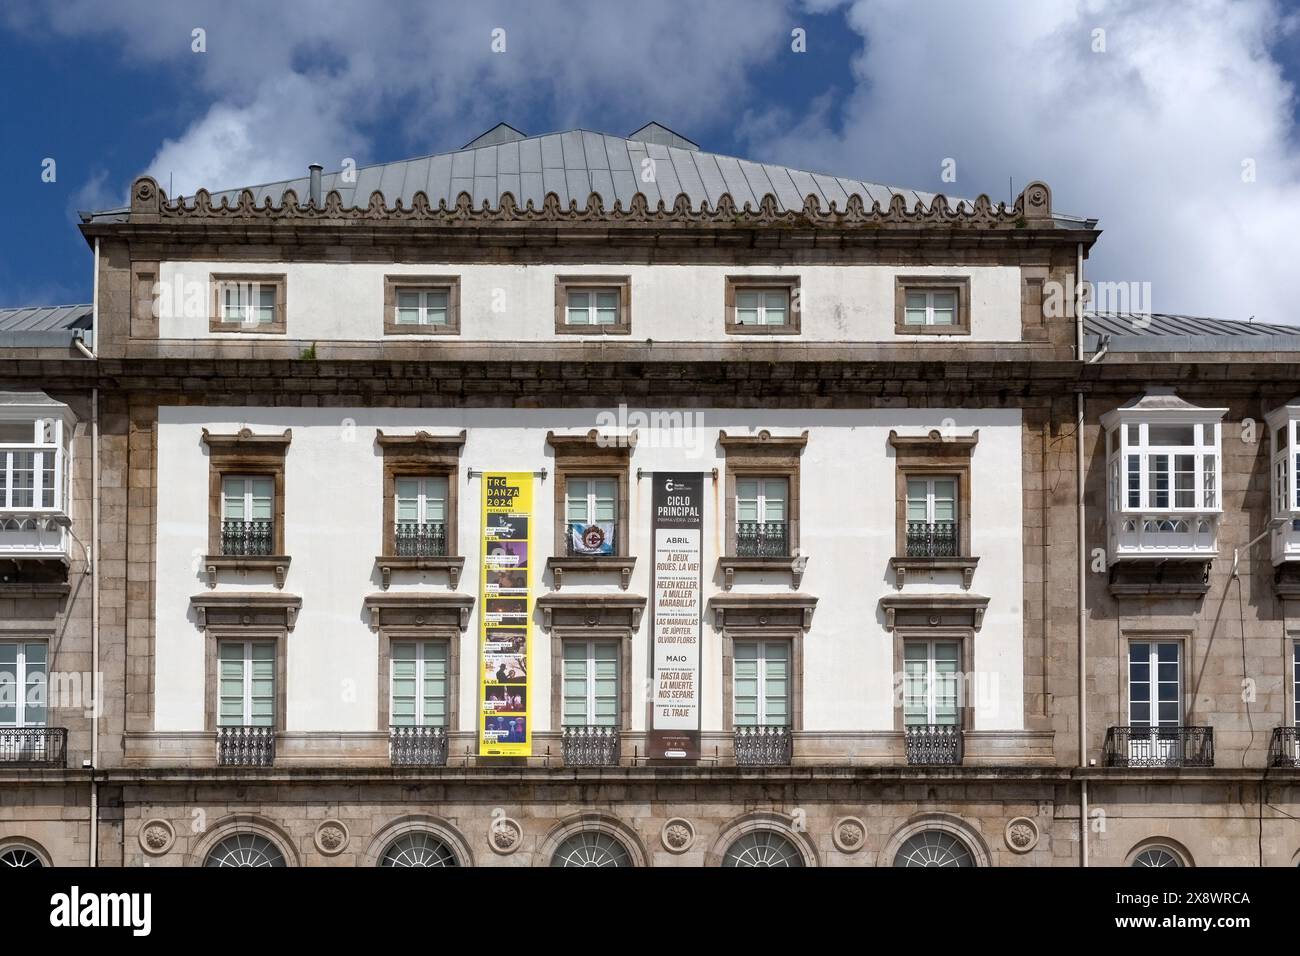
<point>654,160</point>
<point>1163,332</point>
<point>46,318</point>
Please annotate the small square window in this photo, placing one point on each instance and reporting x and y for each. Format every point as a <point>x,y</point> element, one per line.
<point>593,305</point>
<point>248,304</point>
<point>927,305</point>
<point>762,305</point>
<point>421,305</point>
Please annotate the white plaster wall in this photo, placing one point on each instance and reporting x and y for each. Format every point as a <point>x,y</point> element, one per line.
<point>333,514</point>
<point>670,303</point>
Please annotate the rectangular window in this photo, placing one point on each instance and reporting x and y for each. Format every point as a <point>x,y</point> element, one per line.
<point>420,509</point>
<point>590,508</point>
<point>246,684</point>
<point>762,516</point>
<point>249,303</point>
<point>23,683</point>
<point>762,306</point>
<point>247,515</point>
<point>932,517</point>
<point>1295,683</point>
<point>931,307</point>
<point>592,307</point>
<point>1155,692</point>
<point>30,464</point>
<point>760,681</point>
<point>418,684</point>
<point>591,693</point>
<point>930,677</point>
<point>423,306</point>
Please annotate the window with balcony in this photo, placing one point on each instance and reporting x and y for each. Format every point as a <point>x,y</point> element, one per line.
<point>246,702</point>
<point>591,707</point>
<point>762,305</point>
<point>247,515</point>
<point>421,515</point>
<point>591,509</point>
<point>246,505</point>
<point>760,702</point>
<point>931,701</point>
<point>421,305</point>
<point>1155,735</point>
<point>248,303</point>
<point>1163,469</point>
<point>932,530</point>
<point>1284,425</point>
<point>762,517</point>
<point>24,707</point>
<point>1284,748</point>
<point>420,502</point>
<point>932,305</point>
<point>35,437</point>
<point>419,707</point>
<point>593,305</point>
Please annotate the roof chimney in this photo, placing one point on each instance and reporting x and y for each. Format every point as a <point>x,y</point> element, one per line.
<point>313,191</point>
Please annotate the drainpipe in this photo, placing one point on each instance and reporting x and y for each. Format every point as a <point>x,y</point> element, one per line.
<point>1083,566</point>
<point>95,683</point>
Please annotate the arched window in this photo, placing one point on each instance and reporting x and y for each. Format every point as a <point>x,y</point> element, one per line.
<point>762,848</point>
<point>590,848</point>
<point>933,848</point>
<point>245,849</point>
<point>1157,856</point>
<point>418,849</point>
<point>19,856</point>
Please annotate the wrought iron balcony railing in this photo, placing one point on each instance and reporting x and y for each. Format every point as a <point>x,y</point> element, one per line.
<point>763,745</point>
<point>1284,748</point>
<point>590,746</point>
<point>932,539</point>
<point>417,746</point>
<point>421,539</point>
<point>245,746</point>
<point>34,746</point>
<point>935,745</point>
<point>762,539</point>
<point>247,538</point>
<point>1159,747</point>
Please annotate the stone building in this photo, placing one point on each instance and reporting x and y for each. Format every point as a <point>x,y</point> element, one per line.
<point>793,573</point>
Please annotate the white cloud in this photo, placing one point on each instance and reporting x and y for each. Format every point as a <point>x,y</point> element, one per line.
<point>1149,136</point>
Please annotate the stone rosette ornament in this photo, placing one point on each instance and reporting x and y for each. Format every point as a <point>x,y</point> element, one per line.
<point>332,837</point>
<point>1022,835</point>
<point>677,835</point>
<point>505,835</point>
<point>157,837</point>
<point>849,835</point>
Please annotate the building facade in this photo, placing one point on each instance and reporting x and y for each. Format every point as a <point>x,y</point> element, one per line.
<point>979,579</point>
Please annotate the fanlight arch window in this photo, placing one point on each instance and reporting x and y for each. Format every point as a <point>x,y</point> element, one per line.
<point>245,849</point>
<point>591,848</point>
<point>762,848</point>
<point>933,848</point>
<point>19,857</point>
<point>418,849</point>
<point>1157,856</point>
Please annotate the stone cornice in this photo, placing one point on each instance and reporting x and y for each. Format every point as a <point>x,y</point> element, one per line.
<point>1032,208</point>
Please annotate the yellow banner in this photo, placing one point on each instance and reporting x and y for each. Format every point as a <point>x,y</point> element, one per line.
<point>505,612</point>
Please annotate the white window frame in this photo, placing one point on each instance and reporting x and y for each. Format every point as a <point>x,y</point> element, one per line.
<point>1295,686</point>
<point>932,681</point>
<point>248,496</point>
<point>761,497</point>
<point>20,677</point>
<point>591,497</point>
<point>930,495</point>
<point>247,680</point>
<point>762,718</point>
<point>589,679</point>
<point>1154,682</point>
<point>421,717</point>
<point>592,292</point>
<point>761,307</point>
<point>248,309</point>
<point>929,294</point>
<point>1125,449</point>
<point>47,442</point>
<point>424,308</point>
<point>422,498</point>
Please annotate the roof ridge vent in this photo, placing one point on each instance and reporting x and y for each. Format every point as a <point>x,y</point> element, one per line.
<point>501,133</point>
<point>653,132</point>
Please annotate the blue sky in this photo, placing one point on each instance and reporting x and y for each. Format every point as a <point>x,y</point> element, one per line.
<point>1174,122</point>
